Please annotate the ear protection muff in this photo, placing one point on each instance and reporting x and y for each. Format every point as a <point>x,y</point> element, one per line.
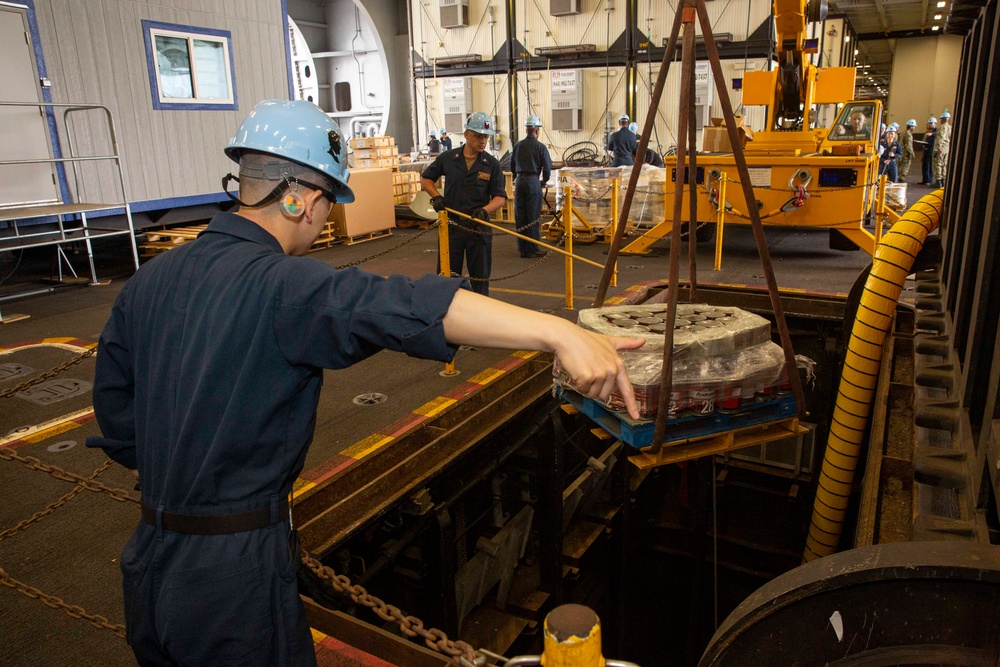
<point>292,203</point>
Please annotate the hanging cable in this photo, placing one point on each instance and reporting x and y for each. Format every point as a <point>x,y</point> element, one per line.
<point>746,51</point>
<point>607,87</point>
<point>715,544</point>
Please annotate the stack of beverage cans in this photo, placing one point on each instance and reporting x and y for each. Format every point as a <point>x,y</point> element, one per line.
<point>723,358</point>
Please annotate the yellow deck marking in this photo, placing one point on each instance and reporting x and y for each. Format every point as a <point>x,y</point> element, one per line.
<point>525,354</point>
<point>60,343</point>
<point>486,376</point>
<point>363,448</point>
<point>49,428</point>
<point>301,486</point>
<point>434,407</point>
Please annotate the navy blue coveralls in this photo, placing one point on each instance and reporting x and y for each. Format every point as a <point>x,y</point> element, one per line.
<point>208,377</point>
<point>445,143</point>
<point>890,152</point>
<point>622,144</point>
<point>466,190</point>
<point>532,166</point>
<point>927,161</point>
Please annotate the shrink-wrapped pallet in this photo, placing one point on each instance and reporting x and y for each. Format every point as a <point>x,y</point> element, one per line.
<point>723,357</point>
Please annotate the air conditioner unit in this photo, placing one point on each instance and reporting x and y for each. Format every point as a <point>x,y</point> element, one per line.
<point>567,99</point>
<point>454,13</point>
<point>564,7</point>
<point>457,98</point>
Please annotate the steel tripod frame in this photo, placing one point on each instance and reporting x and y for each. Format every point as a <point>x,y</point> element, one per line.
<point>687,12</point>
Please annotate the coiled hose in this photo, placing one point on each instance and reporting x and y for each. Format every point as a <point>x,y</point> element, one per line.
<point>893,259</point>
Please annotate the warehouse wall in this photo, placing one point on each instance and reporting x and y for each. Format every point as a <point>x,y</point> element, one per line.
<point>600,22</point>
<point>924,78</point>
<point>94,52</point>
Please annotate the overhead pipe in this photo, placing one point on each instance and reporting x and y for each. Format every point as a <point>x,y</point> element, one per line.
<point>894,257</point>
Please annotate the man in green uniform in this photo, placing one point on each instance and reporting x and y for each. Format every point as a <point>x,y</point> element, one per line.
<point>906,140</point>
<point>941,145</point>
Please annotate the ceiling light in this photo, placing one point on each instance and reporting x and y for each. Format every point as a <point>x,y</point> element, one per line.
<point>847,38</point>
<point>940,4</point>
<point>935,28</point>
<point>855,52</point>
<point>937,17</point>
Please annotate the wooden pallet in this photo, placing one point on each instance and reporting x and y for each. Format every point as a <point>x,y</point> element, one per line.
<point>693,437</point>
<point>162,240</point>
<point>370,236</point>
<point>409,224</point>
<point>327,239</point>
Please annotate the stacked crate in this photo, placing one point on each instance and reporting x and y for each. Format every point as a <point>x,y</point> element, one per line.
<point>375,152</point>
<point>405,186</point>
<point>506,212</point>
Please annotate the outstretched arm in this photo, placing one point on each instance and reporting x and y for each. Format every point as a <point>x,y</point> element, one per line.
<point>591,359</point>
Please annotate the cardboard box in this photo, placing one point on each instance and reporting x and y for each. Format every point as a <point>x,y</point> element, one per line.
<point>715,140</point>
<point>372,210</point>
<point>375,163</point>
<point>375,153</point>
<point>715,137</point>
<point>372,142</point>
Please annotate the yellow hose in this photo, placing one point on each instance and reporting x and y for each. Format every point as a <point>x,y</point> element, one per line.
<point>894,256</point>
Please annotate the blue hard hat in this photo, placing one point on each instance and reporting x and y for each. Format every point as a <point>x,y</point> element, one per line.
<point>932,119</point>
<point>432,133</point>
<point>533,121</point>
<point>623,117</point>
<point>893,127</point>
<point>480,123</point>
<point>911,123</point>
<point>633,127</point>
<point>946,114</point>
<point>298,131</point>
<point>444,131</point>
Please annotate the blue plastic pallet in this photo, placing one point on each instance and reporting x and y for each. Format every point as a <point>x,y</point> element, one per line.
<point>638,433</point>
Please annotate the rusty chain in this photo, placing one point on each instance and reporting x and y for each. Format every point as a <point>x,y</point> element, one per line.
<point>10,532</point>
<point>31,463</point>
<point>410,625</point>
<point>358,262</point>
<point>75,611</point>
<point>7,393</point>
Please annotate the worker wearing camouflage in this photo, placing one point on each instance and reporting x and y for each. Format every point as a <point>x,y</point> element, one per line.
<point>941,145</point>
<point>906,141</point>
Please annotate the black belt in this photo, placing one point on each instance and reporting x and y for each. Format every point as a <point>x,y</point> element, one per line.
<point>194,524</point>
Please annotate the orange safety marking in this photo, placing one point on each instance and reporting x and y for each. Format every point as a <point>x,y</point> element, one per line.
<point>359,450</point>
<point>66,343</point>
<point>45,430</point>
<point>330,651</point>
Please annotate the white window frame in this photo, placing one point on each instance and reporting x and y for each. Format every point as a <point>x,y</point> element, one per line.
<point>189,36</point>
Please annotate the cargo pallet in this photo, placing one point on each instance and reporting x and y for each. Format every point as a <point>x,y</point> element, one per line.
<point>693,436</point>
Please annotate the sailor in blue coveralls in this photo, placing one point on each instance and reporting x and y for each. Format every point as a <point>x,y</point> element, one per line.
<point>208,376</point>
<point>622,144</point>
<point>474,185</point>
<point>445,140</point>
<point>532,166</point>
